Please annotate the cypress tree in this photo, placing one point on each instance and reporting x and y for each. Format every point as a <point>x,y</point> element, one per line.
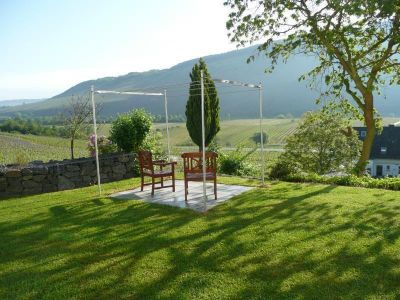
<point>193,106</point>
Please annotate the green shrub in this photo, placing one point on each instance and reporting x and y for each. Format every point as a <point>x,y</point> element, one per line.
<point>128,131</point>
<point>21,159</point>
<point>349,180</point>
<point>235,162</point>
<point>104,145</point>
<point>281,169</point>
<point>153,143</point>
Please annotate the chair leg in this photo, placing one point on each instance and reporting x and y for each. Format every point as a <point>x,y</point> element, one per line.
<point>215,189</point>
<point>162,178</point>
<point>142,185</point>
<point>173,178</point>
<point>186,190</point>
<point>152,186</point>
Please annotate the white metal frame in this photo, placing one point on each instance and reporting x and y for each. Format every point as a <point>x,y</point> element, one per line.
<point>240,84</point>
<point>93,92</point>
<point>231,82</point>
<point>260,88</point>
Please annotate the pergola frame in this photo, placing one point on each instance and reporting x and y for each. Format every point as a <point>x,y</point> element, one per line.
<point>137,93</point>
<point>239,84</point>
<point>225,81</point>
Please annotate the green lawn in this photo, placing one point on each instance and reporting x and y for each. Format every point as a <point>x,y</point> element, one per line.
<point>285,241</point>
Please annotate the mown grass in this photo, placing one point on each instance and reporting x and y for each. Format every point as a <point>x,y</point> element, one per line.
<point>281,242</point>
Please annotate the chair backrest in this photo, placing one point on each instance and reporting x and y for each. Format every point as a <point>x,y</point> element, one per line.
<point>146,161</point>
<point>192,162</point>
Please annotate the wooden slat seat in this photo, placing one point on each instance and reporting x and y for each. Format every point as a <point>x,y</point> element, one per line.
<point>159,173</point>
<point>199,176</point>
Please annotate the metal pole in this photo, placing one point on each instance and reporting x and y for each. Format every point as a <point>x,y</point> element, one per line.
<point>95,140</point>
<point>203,139</point>
<point>261,135</point>
<point>166,123</point>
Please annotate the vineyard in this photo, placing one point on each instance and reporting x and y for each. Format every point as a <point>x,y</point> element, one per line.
<point>20,148</point>
<point>236,132</point>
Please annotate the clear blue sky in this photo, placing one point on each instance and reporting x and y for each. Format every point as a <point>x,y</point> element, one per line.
<point>48,46</point>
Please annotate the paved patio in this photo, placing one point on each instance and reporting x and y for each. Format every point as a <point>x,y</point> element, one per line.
<point>195,197</point>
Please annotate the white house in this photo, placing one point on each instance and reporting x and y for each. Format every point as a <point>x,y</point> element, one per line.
<point>385,154</point>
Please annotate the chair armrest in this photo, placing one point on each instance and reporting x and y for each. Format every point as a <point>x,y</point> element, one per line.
<point>164,163</point>
<point>158,161</point>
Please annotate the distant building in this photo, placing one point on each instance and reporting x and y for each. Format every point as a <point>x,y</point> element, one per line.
<point>384,159</point>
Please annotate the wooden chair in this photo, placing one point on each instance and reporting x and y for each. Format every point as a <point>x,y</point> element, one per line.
<point>193,169</point>
<point>147,169</point>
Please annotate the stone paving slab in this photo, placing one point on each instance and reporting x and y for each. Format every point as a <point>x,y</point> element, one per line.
<point>195,197</point>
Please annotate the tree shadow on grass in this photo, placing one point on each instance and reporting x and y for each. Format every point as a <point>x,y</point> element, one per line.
<point>287,241</point>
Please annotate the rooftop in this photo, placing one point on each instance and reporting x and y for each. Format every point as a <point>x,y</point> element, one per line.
<point>386,145</point>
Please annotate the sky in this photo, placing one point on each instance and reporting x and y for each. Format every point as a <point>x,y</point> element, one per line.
<point>49,46</point>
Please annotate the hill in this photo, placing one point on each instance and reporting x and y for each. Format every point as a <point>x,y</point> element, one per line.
<point>16,102</point>
<point>283,93</point>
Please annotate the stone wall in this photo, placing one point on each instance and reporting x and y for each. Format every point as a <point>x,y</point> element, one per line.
<point>38,177</point>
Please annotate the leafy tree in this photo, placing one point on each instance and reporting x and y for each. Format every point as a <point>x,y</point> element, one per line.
<point>256,138</point>
<point>193,106</point>
<point>129,130</point>
<point>356,42</point>
<point>323,143</point>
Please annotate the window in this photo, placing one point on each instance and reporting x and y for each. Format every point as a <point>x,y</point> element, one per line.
<point>363,133</point>
<point>388,167</point>
<point>399,170</point>
<point>383,150</point>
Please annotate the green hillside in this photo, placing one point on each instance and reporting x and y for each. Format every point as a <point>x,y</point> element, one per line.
<point>282,92</point>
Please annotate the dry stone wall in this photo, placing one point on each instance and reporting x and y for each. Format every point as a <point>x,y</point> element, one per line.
<point>38,177</point>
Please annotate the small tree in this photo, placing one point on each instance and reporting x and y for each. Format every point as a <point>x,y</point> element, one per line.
<point>128,131</point>
<point>256,138</point>
<point>323,143</point>
<point>193,106</point>
<point>76,118</point>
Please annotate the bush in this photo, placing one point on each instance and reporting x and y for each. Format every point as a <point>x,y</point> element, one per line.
<point>104,145</point>
<point>21,159</point>
<point>280,170</point>
<point>153,144</point>
<point>234,162</point>
<point>128,131</point>
<point>349,180</point>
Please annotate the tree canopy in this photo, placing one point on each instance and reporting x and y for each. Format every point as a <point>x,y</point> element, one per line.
<point>356,42</point>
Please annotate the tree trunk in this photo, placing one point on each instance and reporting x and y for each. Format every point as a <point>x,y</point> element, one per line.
<point>72,148</point>
<point>369,138</point>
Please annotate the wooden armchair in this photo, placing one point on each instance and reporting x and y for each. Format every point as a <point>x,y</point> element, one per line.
<point>147,169</point>
<point>193,169</point>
